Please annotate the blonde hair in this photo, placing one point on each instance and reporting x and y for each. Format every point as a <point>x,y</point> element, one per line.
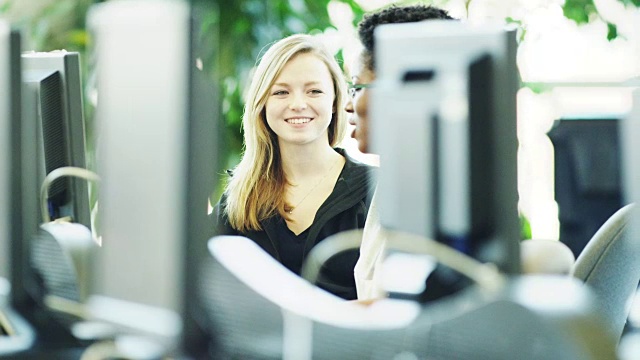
<point>256,189</point>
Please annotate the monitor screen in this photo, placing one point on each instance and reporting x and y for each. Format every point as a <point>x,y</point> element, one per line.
<point>444,125</point>
<point>53,82</point>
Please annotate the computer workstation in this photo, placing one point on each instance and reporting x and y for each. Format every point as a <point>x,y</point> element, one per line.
<point>169,229</point>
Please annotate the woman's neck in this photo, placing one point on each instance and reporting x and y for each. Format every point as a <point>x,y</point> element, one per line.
<point>301,162</point>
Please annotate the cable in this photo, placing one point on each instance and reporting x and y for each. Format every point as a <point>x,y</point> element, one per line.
<point>486,276</point>
<point>56,174</point>
<point>5,325</point>
<point>327,248</point>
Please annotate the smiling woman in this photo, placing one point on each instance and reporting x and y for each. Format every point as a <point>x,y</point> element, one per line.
<point>293,188</point>
<point>299,108</point>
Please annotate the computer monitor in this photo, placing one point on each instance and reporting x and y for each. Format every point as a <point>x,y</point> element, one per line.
<point>156,119</point>
<point>7,106</point>
<point>55,99</point>
<point>49,259</point>
<point>15,332</point>
<point>587,174</point>
<point>444,125</point>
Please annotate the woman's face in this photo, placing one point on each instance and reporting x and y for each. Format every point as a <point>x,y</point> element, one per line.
<point>358,102</point>
<point>299,105</point>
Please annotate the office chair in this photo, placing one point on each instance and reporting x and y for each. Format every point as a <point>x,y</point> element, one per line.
<point>258,309</point>
<point>610,266</point>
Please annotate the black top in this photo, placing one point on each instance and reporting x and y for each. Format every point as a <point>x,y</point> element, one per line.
<point>291,247</point>
<point>345,209</point>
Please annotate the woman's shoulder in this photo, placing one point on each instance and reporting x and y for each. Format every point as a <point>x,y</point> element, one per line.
<point>219,213</point>
<point>352,162</point>
<point>219,218</point>
<point>356,169</point>
<point>358,177</point>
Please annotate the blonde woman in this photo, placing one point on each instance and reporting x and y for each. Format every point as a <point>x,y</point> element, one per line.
<point>293,187</point>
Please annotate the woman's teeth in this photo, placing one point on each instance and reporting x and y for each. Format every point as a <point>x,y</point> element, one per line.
<point>298,120</point>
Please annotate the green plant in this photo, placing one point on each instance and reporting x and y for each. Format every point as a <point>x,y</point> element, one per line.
<point>584,11</point>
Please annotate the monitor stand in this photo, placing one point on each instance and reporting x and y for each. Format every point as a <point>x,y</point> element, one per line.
<point>16,335</point>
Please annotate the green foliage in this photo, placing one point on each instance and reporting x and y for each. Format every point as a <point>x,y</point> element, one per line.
<point>537,87</point>
<point>583,11</point>
<point>612,31</point>
<point>57,25</point>
<point>580,11</point>
<point>525,228</point>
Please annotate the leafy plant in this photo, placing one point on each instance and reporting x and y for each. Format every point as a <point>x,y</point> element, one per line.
<point>584,11</point>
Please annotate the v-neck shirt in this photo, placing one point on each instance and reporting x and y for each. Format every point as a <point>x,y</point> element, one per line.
<point>291,246</point>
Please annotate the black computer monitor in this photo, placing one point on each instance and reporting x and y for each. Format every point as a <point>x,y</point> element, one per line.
<point>587,174</point>
<point>444,125</point>
<point>156,118</point>
<point>15,200</point>
<point>9,108</point>
<point>53,82</point>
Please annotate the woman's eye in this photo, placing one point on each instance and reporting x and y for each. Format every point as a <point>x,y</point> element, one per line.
<point>316,91</point>
<point>280,92</point>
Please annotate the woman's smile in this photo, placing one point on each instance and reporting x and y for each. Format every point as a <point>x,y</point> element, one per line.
<point>298,120</point>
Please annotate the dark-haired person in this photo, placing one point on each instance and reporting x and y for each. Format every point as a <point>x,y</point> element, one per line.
<point>537,256</point>
<point>362,75</point>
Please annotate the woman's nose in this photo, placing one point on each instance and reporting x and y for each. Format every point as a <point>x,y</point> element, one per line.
<point>298,102</point>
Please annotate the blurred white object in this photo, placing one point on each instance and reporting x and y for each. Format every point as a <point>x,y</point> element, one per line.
<point>542,256</point>
<point>397,267</point>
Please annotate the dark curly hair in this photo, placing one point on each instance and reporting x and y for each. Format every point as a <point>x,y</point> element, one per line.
<point>393,15</point>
